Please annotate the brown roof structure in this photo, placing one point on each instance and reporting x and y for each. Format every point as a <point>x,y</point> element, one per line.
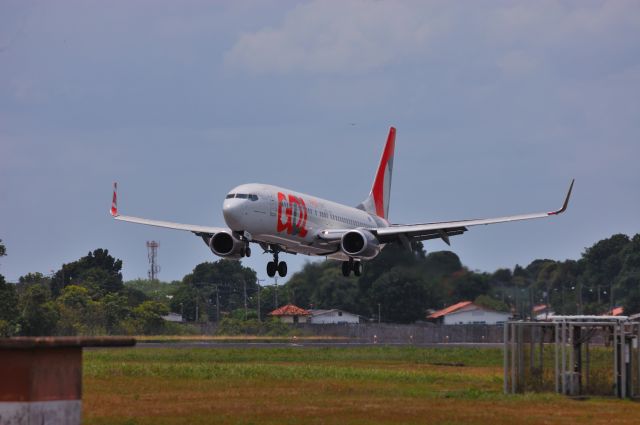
<point>616,311</point>
<point>290,310</point>
<point>449,310</point>
<point>540,308</point>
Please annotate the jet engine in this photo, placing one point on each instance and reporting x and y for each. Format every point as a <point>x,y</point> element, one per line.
<point>225,244</point>
<point>360,244</point>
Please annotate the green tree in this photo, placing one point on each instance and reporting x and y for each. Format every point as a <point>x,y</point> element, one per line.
<point>78,314</point>
<point>335,291</point>
<point>224,282</point>
<point>468,286</point>
<point>401,294</point>
<point>3,249</point>
<point>116,310</point>
<point>302,285</point>
<point>268,300</point>
<point>491,303</point>
<point>8,308</point>
<point>38,315</point>
<point>98,271</point>
<point>154,289</point>
<point>148,316</point>
<point>185,299</point>
<point>604,260</point>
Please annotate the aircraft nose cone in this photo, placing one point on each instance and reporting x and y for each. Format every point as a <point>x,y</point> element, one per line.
<point>232,212</point>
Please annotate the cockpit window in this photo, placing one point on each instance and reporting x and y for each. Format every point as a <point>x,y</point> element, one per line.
<point>242,195</point>
<point>231,195</point>
<point>253,197</point>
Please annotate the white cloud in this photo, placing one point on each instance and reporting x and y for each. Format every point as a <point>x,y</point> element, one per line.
<point>352,36</point>
<point>324,36</point>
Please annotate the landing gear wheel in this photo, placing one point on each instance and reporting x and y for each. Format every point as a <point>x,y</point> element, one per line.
<point>346,268</point>
<point>247,251</point>
<point>357,268</point>
<point>271,269</point>
<point>282,269</point>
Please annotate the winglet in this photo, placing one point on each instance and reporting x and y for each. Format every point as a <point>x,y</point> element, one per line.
<point>114,201</point>
<point>566,201</point>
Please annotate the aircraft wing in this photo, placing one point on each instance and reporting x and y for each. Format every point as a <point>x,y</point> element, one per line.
<point>197,229</point>
<point>444,229</point>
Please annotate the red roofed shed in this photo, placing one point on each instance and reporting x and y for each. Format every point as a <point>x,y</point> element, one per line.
<point>291,314</point>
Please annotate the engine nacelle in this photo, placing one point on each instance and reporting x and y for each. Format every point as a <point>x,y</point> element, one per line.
<point>360,244</point>
<point>225,244</point>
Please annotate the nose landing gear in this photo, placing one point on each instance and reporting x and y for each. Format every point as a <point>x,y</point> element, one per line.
<point>276,266</point>
<point>348,266</point>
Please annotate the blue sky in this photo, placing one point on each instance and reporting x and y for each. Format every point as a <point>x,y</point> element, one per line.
<point>498,104</point>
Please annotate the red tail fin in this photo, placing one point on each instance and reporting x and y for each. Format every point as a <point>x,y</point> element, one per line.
<point>378,201</point>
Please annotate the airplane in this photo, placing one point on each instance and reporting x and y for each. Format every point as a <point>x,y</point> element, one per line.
<point>280,220</point>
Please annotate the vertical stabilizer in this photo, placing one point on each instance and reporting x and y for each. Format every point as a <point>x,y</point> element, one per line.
<point>378,201</point>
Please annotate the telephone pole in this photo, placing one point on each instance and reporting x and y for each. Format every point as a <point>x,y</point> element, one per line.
<point>244,291</point>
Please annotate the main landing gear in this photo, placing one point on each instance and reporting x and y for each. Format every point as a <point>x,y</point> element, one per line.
<point>348,266</point>
<point>276,266</point>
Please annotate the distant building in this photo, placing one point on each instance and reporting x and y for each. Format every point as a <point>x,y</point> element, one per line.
<point>543,312</point>
<point>291,314</point>
<point>332,316</point>
<point>466,312</point>
<point>616,311</point>
<point>173,317</point>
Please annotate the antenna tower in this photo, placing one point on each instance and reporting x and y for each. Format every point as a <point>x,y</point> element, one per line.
<point>152,252</point>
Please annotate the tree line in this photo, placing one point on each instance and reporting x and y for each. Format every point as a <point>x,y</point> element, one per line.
<point>89,297</point>
<point>403,286</point>
<point>84,297</point>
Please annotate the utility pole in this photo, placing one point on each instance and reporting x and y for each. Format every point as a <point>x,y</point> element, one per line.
<point>244,290</point>
<point>611,297</point>
<point>579,286</point>
<point>378,313</point>
<point>530,302</point>
<point>217,304</point>
<point>197,316</point>
<point>259,288</point>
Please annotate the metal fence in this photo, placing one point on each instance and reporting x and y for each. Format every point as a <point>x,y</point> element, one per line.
<point>573,355</point>
<point>409,334</point>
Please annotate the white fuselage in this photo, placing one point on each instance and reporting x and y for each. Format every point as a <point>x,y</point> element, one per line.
<point>292,219</point>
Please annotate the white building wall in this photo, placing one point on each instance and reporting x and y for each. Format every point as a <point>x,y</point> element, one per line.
<point>290,319</point>
<point>476,316</point>
<point>335,317</point>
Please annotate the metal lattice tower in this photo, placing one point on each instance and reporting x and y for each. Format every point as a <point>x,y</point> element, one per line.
<point>152,252</point>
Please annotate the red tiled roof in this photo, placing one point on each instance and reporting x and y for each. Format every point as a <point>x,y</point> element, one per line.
<point>617,311</point>
<point>540,308</point>
<point>449,309</point>
<point>290,310</point>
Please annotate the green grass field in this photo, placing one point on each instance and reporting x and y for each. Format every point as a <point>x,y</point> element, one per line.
<point>359,385</point>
